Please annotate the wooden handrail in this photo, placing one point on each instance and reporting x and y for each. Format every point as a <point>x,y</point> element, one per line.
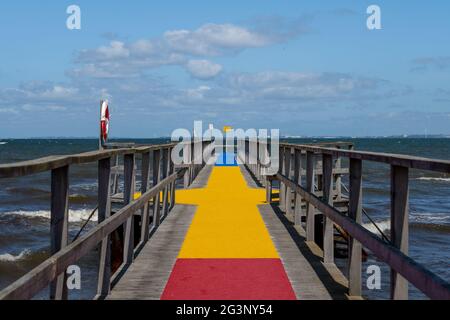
<point>429,283</point>
<point>37,279</point>
<point>388,158</point>
<point>394,252</point>
<point>28,167</point>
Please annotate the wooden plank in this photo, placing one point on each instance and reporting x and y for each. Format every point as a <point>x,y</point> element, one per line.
<point>128,250</point>
<point>104,212</point>
<point>327,183</point>
<point>399,226</point>
<point>34,281</point>
<point>297,179</point>
<point>146,278</point>
<point>28,167</point>
<point>310,278</point>
<point>288,196</point>
<point>355,213</point>
<point>429,283</point>
<point>59,224</point>
<point>156,167</point>
<point>310,214</point>
<point>165,173</point>
<point>145,213</point>
<point>282,190</point>
<point>389,158</point>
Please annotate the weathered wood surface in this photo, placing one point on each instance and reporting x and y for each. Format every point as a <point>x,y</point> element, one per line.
<point>24,168</point>
<point>148,275</point>
<point>389,158</point>
<point>426,281</point>
<point>35,280</point>
<point>309,276</point>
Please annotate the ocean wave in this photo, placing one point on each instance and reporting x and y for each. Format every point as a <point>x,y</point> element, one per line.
<point>433,179</point>
<point>429,217</point>
<point>74,215</point>
<point>7,257</point>
<point>3,142</point>
<point>384,225</point>
<point>426,221</point>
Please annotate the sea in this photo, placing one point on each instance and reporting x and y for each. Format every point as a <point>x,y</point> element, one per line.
<point>25,208</point>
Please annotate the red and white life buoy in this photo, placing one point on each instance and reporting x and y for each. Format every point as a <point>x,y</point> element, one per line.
<point>104,121</point>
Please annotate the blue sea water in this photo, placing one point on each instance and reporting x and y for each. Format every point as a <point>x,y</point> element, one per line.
<point>25,206</point>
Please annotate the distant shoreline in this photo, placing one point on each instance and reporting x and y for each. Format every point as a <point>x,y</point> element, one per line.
<point>437,136</point>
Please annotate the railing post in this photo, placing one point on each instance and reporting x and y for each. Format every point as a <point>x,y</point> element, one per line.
<point>173,185</point>
<point>288,197</point>
<point>104,212</point>
<point>328,232</point>
<point>298,180</point>
<point>338,177</point>
<point>354,212</point>
<point>156,179</point>
<point>145,216</point>
<point>399,225</point>
<point>310,210</point>
<point>59,224</point>
<point>186,161</point>
<point>128,252</point>
<point>282,190</point>
<point>165,173</point>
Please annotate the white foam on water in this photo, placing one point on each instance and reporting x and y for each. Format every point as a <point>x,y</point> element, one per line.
<point>3,142</point>
<point>74,215</point>
<point>382,225</point>
<point>433,179</point>
<point>429,217</point>
<point>7,257</point>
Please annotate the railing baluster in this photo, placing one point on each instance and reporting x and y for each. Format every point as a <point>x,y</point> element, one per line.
<point>298,180</point>
<point>173,185</point>
<point>59,224</point>
<point>145,216</point>
<point>354,212</point>
<point>104,212</point>
<point>328,233</point>
<point>310,210</point>
<point>156,178</point>
<point>186,161</point>
<point>399,225</point>
<point>128,194</point>
<point>165,171</point>
<point>288,197</point>
<point>282,187</point>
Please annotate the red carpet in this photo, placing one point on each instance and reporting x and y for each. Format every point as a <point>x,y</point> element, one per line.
<point>228,279</point>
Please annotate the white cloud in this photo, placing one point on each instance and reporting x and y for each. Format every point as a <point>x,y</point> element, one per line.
<point>214,39</point>
<point>203,69</point>
<point>175,47</point>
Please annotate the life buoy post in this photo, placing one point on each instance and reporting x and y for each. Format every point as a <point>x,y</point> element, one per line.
<point>104,123</point>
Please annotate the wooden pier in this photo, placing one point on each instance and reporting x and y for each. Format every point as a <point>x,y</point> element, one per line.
<point>231,232</point>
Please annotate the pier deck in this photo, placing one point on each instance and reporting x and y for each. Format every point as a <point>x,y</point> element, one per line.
<point>224,236</point>
<point>225,242</point>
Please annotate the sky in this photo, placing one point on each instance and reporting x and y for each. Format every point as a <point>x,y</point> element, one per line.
<point>308,68</point>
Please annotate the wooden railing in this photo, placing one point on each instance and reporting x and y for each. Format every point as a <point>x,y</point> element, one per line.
<point>160,197</point>
<point>296,160</point>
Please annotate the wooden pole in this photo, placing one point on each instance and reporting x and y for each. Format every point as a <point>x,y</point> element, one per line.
<point>298,179</point>
<point>354,212</point>
<point>310,211</point>
<point>128,252</point>
<point>156,179</point>
<point>145,217</point>
<point>104,212</point>
<point>59,224</point>
<point>399,225</point>
<point>328,233</point>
